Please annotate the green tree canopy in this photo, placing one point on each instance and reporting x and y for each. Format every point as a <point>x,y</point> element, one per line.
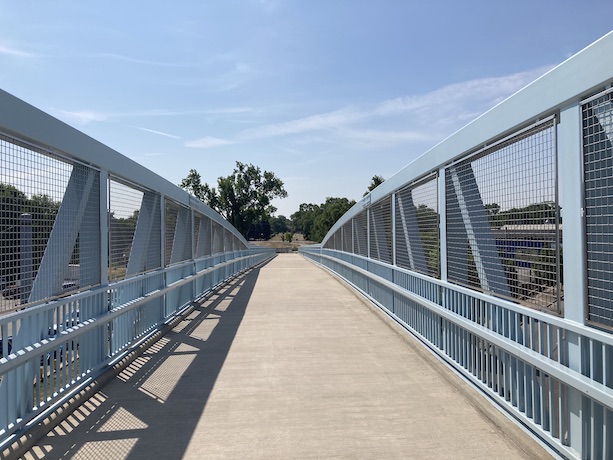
<point>303,219</point>
<point>314,221</point>
<point>14,203</point>
<point>374,183</point>
<point>242,198</point>
<point>280,224</point>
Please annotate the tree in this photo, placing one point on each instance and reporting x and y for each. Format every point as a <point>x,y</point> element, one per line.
<point>314,221</point>
<point>243,198</point>
<point>193,184</point>
<point>374,183</point>
<point>14,203</point>
<point>492,209</point>
<point>279,224</point>
<point>122,235</point>
<point>304,218</point>
<point>43,210</point>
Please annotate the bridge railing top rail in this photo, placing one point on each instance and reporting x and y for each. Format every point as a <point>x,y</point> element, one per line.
<point>570,82</point>
<point>34,127</point>
<point>542,316</point>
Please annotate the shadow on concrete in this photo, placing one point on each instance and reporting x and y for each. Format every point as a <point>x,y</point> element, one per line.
<point>151,409</point>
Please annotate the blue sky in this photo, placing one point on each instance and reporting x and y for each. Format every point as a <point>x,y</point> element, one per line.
<point>323,93</point>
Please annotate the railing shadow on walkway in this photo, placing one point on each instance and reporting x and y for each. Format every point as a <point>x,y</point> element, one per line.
<point>141,408</point>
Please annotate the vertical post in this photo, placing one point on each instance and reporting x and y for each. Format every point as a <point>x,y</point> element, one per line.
<point>104,228</point>
<point>393,228</point>
<point>193,230</point>
<point>368,232</point>
<point>26,268</point>
<point>442,228</point>
<point>193,249</point>
<point>570,160</point>
<point>163,252</point>
<point>162,231</point>
<point>353,235</point>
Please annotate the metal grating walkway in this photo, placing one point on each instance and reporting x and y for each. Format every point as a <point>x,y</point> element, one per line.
<point>286,362</point>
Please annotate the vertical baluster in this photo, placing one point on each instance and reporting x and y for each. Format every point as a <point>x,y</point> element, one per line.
<point>607,434</point>
<point>553,405</point>
<point>596,429</point>
<point>507,377</point>
<point>11,398</point>
<point>465,348</point>
<point>480,362</point>
<point>500,371</point>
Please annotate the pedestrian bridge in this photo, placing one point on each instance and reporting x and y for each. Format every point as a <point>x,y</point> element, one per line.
<point>285,362</point>
<point>490,253</point>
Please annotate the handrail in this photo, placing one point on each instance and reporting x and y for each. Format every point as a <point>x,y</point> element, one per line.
<point>98,253</point>
<point>466,248</point>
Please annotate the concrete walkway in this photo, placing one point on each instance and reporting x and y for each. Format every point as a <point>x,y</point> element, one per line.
<point>286,363</point>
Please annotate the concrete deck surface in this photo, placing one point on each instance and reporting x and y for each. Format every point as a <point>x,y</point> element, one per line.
<point>286,363</point>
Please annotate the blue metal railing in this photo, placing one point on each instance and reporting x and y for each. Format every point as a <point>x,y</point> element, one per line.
<point>107,254</point>
<point>531,327</point>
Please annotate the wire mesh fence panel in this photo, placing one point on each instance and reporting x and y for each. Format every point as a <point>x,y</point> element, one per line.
<point>347,237</point>
<point>48,218</point>
<point>236,243</point>
<point>598,183</point>
<point>151,237</point>
<point>381,230</point>
<point>170,223</point>
<point>328,244</point>
<point>503,219</point>
<point>178,233</point>
<point>227,240</point>
<point>417,233</point>
<point>217,238</point>
<point>332,240</point>
<point>124,205</point>
<point>84,269</point>
<point>360,234</point>
<point>202,235</point>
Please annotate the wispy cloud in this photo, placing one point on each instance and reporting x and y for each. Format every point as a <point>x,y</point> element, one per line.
<point>384,137</point>
<point>133,60</point>
<point>83,117</point>
<point>14,52</point>
<point>207,143</point>
<point>317,122</point>
<point>452,106</point>
<point>238,74</point>
<point>461,95</point>
<point>161,133</point>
